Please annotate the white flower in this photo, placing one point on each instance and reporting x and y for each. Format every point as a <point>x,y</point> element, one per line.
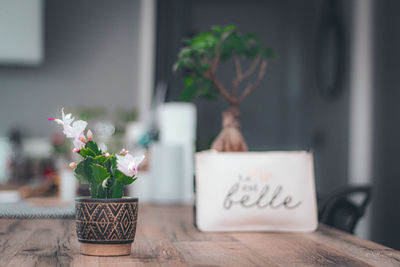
<point>67,119</point>
<point>79,142</point>
<point>75,130</point>
<point>102,147</point>
<point>128,164</point>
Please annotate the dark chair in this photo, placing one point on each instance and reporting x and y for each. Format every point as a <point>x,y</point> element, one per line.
<point>340,211</point>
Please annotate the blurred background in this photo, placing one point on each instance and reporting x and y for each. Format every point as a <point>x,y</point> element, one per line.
<point>331,89</point>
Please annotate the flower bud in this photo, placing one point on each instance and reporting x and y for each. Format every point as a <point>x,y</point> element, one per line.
<point>123,152</point>
<point>76,150</point>
<point>73,165</point>
<point>89,135</point>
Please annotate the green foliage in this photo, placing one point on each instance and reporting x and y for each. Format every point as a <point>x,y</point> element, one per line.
<point>101,159</point>
<point>101,173</point>
<point>122,178</point>
<point>85,152</point>
<point>117,189</point>
<point>198,86</point>
<point>94,148</point>
<point>201,51</point>
<point>83,172</point>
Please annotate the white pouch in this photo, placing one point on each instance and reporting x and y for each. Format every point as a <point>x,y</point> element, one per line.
<point>255,191</point>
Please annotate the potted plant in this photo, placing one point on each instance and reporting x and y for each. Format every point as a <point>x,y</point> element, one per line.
<point>201,58</point>
<point>105,221</point>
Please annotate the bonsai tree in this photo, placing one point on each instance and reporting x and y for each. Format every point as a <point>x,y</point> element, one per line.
<point>201,58</point>
<point>106,173</point>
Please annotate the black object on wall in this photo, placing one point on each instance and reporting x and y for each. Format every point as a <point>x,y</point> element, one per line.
<point>330,50</point>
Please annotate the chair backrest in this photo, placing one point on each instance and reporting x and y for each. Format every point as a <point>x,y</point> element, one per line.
<point>339,211</point>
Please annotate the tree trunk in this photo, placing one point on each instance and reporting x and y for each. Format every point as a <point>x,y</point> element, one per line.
<point>230,139</point>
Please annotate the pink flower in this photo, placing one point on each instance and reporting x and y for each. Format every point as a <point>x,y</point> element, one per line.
<point>127,164</point>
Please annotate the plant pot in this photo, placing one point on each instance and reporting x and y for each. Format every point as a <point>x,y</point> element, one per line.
<point>106,227</point>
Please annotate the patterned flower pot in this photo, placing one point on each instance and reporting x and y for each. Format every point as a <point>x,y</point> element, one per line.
<point>106,227</point>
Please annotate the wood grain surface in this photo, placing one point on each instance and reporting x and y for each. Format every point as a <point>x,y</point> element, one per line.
<point>166,237</point>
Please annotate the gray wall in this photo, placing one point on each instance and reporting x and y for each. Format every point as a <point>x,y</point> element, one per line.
<point>286,112</point>
<point>90,55</point>
<point>386,194</point>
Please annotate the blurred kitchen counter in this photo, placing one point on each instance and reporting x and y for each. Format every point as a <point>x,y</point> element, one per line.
<point>166,236</point>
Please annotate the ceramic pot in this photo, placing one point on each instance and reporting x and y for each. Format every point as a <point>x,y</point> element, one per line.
<point>106,227</point>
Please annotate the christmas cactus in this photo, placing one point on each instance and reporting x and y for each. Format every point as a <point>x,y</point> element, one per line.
<point>105,173</point>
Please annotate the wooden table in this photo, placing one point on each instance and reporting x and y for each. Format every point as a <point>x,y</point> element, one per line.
<point>166,236</point>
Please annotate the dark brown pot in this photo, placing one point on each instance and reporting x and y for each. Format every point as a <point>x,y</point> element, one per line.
<point>106,227</point>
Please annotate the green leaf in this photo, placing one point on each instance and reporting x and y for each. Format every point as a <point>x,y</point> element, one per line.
<point>117,189</point>
<point>113,164</point>
<point>83,172</point>
<point>216,28</point>
<point>206,88</point>
<point>93,147</point>
<point>269,53</point>
<point>205,67</point>
<point>113,159</point>
<point>177,65</point>
<point>252,45</point>
<point>229,28</point>
<point>252,39</point>
<point>122,178</point>
<point>86,152</point>
<point>189,91</point>
<point>97,191</point>
<point>203,42</point>
<point>99,173</point>
<point>233,44</point>
<point>101,159</point>
<point>188,63</point>
<point>189,81</point>
<point>185,52</point>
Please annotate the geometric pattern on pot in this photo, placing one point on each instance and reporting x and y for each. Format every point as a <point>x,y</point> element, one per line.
<point>106,222</point>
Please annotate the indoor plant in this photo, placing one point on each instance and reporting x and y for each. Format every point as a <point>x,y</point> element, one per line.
<point>202,56</point>
<point>105,222</point>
